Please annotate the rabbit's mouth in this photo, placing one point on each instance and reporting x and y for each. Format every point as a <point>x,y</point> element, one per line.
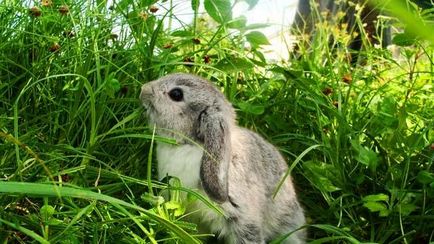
<point>148,106</point>
<point>150,112</point>
<point>150,109</point>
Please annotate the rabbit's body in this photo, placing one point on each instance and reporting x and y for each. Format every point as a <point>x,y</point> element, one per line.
<point>234,166</point>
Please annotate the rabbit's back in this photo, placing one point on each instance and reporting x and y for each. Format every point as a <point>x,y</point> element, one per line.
<point>255,170</point>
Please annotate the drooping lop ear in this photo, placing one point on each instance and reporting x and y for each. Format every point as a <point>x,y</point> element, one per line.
<point>214,131</point>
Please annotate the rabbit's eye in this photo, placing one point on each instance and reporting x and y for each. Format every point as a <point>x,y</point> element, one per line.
<point>176,94</point>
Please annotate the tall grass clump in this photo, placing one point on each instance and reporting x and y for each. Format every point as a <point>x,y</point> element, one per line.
<point>372,178</point>
<point>76,153</point>
<point>71,124</point>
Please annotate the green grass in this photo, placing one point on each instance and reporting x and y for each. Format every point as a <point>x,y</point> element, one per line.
<point>76,153</point>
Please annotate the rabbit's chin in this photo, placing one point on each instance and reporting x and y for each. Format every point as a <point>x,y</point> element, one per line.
<point>181,132</point>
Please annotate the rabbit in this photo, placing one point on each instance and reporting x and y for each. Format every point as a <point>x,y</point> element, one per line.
<point>235,167</point>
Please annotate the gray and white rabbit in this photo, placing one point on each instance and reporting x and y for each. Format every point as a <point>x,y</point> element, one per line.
<point>235,167</point>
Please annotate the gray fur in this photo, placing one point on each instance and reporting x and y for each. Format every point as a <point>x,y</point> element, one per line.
<point>239,170</point>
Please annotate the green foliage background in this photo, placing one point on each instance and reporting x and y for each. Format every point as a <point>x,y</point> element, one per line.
<point>76,153</point>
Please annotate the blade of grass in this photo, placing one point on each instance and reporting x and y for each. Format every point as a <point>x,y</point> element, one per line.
<point>38,189</point>
<point>26,231</point>
<point>288,172</point>
<point>149,165</point>
<point>74,220</point>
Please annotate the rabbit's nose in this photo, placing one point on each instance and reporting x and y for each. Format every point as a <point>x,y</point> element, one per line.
<point>146,92</point>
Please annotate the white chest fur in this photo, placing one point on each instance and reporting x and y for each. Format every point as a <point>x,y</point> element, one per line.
<point>180,161</point>
<point>184,162</point>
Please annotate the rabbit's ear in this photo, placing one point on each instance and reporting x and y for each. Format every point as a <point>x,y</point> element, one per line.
<point>214,131</point>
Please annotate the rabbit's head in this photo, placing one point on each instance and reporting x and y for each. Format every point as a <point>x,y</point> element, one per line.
<point>187,106</point>
<point>178,103</point>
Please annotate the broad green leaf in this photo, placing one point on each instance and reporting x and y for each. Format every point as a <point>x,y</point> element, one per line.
<point>388,106</point>
<point>262,60</point>
<point>256,38</point>
<point>368,158</point>
<point>365,155</point>
<point>376,198</point>
<point>384,212</point>
<point>172,205</point>
<point>232,64</point>
<point>256,109</point>
<point>403,39</point>
<point>416,141</point>
<point>375,206</point>
<point>238,23</point>
<point>219,10</point>
<point>387,111</point>
<point>178,208</point>
<point>407,208</point>
<point>425,177</point>
<point>182,33</point>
